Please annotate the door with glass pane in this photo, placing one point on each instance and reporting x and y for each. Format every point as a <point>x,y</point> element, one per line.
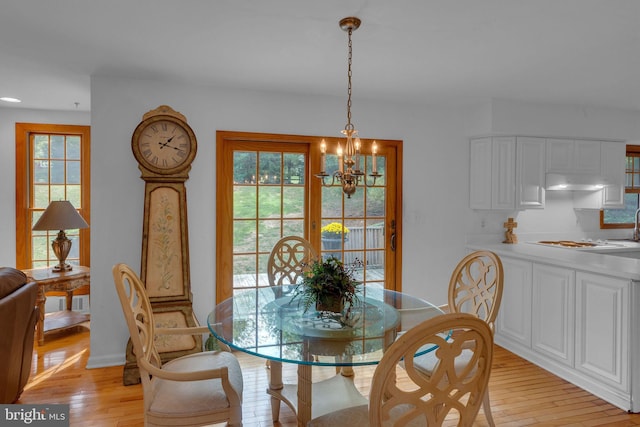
<point>266,189</point>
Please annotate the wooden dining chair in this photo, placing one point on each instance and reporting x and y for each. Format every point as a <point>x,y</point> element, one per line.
<point>290,257</point>
<point>407,398</point>
<point>196,389</point>
<point>475,287</point>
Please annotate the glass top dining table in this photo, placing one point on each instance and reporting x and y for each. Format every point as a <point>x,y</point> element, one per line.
<point>272,323</point>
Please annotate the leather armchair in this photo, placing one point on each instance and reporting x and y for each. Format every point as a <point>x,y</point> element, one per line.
<point>18,314</point>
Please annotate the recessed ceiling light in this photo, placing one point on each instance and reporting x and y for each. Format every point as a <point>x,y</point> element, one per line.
<point>9,99</point>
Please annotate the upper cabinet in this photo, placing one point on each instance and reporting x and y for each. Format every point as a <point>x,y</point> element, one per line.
<point>530,161</point>
<point>506,173</point>
<point>612,158</point>
<point>509,172</point>
<point>573,156</point>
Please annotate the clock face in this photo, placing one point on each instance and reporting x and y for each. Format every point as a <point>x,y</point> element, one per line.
<point>163,144</point>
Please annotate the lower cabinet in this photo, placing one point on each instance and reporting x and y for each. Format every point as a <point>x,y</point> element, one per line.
<point>576,324</point>
<point>553,319</point>
<point>514,317</point>
<point>602,332</point>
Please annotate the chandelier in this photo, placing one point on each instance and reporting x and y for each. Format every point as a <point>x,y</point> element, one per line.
<point>349,174</point>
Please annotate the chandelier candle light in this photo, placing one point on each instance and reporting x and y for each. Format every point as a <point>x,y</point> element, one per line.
<point>349,173</point>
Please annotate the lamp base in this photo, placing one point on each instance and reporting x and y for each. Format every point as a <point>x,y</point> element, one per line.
<point>61,247</point>
<point>62,267</point>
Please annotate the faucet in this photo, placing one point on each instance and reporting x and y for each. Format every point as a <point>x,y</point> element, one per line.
<point>636,231</point>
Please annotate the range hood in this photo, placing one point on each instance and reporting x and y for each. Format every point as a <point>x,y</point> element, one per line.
<point>574,181</point>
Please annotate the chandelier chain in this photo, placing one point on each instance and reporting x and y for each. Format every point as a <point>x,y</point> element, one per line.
<point>349,126</point>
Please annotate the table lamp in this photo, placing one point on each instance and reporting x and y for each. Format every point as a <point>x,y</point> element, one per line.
<point>60,215</point>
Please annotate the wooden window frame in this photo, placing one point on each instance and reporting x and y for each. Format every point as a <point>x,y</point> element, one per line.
<point>632,151</point>
<point>23,187</point>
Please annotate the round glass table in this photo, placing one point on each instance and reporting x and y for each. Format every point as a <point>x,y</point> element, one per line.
<point>271,323</point>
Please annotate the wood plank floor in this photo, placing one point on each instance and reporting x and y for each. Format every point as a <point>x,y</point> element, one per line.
<point>521,393</point>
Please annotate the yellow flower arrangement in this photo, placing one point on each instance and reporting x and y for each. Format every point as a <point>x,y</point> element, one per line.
<point>334,229</point>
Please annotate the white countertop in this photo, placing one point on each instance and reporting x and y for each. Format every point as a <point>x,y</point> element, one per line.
<point>609,264</point>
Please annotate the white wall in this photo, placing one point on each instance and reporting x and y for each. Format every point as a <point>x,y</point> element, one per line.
<point>8,119</point>
<point>435,183</point>
<point>576,121</point>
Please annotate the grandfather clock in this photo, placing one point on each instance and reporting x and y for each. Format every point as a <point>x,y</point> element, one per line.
<point>164,146</point>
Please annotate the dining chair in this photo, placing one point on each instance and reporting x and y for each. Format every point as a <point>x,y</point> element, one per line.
<point>290,257</point>
<point>192,390</point>
<point>475,287</point>
<point>407,398</point>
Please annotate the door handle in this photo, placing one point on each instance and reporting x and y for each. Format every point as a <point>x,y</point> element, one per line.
<point>393,235</point>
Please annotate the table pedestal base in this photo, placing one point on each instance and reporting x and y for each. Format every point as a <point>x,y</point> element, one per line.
<point>337,392</point>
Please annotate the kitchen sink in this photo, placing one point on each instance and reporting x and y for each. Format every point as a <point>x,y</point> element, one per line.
<point>627,243</point>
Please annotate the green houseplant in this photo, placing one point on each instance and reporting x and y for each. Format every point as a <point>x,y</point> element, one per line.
<point>328,285</point>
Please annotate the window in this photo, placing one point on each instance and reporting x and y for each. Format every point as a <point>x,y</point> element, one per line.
<point>52,163</point>
<point>624,218</point>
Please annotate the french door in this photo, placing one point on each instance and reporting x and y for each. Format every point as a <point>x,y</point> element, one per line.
<point>267,189</point>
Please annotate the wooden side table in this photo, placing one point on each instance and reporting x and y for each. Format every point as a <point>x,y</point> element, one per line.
<point>65,281</point>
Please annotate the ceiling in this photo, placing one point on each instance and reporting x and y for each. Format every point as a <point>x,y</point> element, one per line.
<point>582,52</point>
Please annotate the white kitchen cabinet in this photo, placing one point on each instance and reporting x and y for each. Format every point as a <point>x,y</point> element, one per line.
<point>506,173</point>
<point>514,317</point>
<point>602,334</point>
<point>576,324</point>
<point>503,178</point>
<point>553,319</point>
<point>530,167</point>
<point>612,168</point>
<point>492,173</point>
<point>573,156</point>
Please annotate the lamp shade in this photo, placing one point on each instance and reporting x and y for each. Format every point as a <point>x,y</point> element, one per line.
<point>60,215</point>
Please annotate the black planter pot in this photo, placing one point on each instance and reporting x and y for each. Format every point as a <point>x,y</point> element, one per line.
<point>332,243</point>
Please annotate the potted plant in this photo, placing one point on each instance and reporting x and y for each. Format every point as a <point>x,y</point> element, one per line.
<point>333,235</point>
<point>329,286</point>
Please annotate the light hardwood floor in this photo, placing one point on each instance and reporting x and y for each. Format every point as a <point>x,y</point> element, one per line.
<point>521,393</point>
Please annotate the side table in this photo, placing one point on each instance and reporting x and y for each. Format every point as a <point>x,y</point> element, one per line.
<point>65,281</point>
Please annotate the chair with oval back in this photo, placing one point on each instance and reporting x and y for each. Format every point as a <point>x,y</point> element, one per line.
<point>290,257</point>
<point>453,391</point>
<point>476,288</point>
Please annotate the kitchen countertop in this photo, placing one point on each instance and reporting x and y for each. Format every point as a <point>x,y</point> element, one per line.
<point>584,260</point>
